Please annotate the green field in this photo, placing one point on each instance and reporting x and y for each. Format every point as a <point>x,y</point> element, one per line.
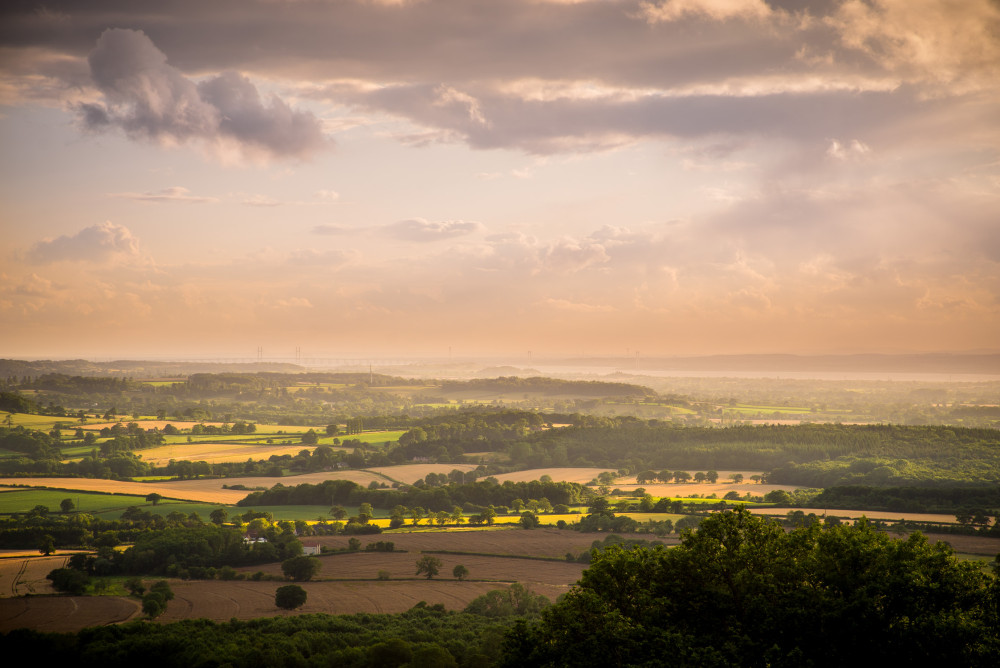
<point>105,506</point>
<point>31,421</point>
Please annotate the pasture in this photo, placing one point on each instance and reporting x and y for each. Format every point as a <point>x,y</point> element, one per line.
<point>103,506</point>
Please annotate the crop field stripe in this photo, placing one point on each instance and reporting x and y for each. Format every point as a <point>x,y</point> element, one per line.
<point>494,554</point>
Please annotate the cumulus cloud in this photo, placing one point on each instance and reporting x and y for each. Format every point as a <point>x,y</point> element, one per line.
<point>422,230</point>
<point>150,99</point>
<point>176,194</point>
<point>97,243</point>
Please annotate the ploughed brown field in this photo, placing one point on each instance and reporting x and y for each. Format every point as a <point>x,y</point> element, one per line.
<point>346,583</point>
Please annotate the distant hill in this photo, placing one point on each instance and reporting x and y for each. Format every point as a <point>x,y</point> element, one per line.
<point>135,368</point>
<point>964,363</point>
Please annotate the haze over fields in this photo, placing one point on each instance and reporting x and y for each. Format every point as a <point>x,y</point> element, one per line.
<point>426,177</point>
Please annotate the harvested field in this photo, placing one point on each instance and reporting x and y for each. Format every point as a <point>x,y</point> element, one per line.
<point>185,424</point>
<point>566,474</point>
<point>205,490</point>
<point>26,575</point>
<point>537,542</point>
<point>66,613</point>
<point>216,452</point>
<point>870,514</point>
<point>410,473</point>
<point>720,489</point>
<point>982,545</point>
<point>545,577</point>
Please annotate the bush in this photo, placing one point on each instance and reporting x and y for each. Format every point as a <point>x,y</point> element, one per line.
<point>69,580</point>
<point>290,597</point>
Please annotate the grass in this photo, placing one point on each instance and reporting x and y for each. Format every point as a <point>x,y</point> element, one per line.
<point>31,421</point>
<point>104,506</point>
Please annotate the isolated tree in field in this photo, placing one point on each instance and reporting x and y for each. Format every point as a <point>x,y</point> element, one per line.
<point>47,545</point>
<point>737,478</point>
<point>153,604</point>
<point>153,498</point>
<point>460,572</point>
<point>290,597</point>
<point>429,566</point>
<point>528,520</point>
<point>310,437</point>
<point>219,516</point>
<point>712,476</point>
<point>67,505</point>
<point>338,512</point>
<point>699,477</point>
<point>300,569</point>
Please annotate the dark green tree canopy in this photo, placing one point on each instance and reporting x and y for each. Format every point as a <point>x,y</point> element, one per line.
<point>290,597</point>
<point>301,568</point>
<point>741,591</point>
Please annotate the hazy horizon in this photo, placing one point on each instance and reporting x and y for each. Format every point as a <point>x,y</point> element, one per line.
<point>435,178</point>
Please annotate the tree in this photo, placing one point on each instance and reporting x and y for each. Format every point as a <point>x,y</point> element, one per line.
<point>460,572</point>
<point>529,520</point>
<point>301,568</point>
<point>290,597</point>
<point>153,605</point>
<point>67,505</point>
<point>153,498</point>
<point>310,437</point>
<point>47,545</point>
<point>712,476</point>
<point>429,566</point>
<point>737,478</point>
<point>741,591</point>
<point>69,580</point>
<point>219,516</point>
<point>338,512</point>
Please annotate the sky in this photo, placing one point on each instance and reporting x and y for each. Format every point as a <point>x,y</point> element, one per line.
<point>413,177</point>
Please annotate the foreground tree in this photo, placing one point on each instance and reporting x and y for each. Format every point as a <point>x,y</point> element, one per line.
<point>742,592</point>
<point>290,597</point>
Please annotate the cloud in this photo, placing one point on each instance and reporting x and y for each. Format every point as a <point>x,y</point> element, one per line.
<point>330,229</point>
<point>579,307</point>
<point>328,195</point>
<point>261,200</point>
<point>331,259</point>
<point>150,99</point>
<point>97,243</point>
<point>167,195</point>
<point>719,10</point>
<point>422,230</point>
<point>568,255</point>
